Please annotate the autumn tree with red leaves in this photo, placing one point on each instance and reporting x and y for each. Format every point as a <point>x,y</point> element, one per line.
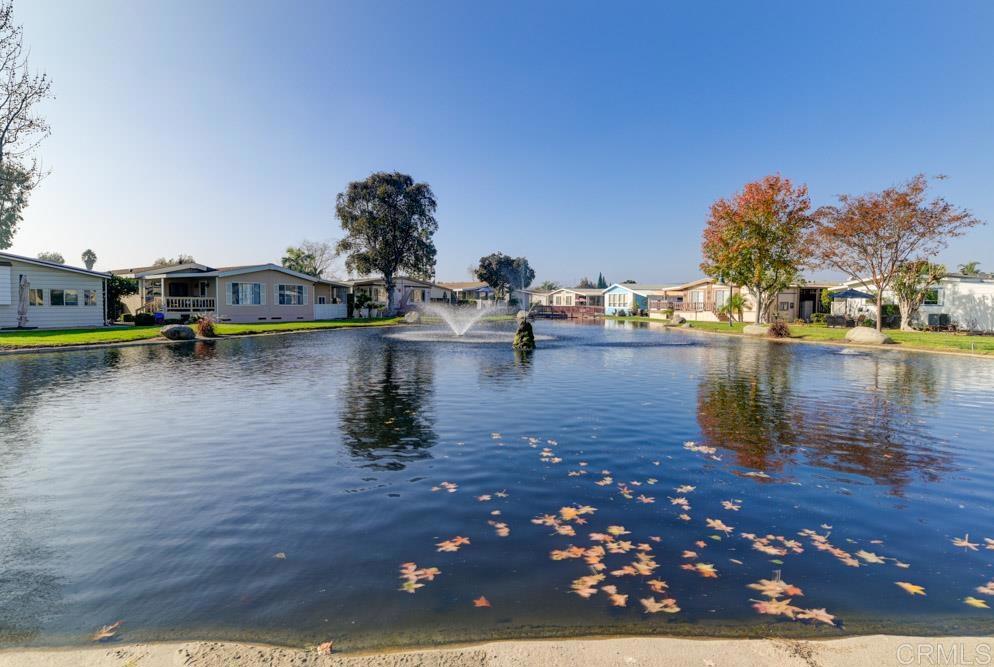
<point>756,239</point>
<point>871,236</point>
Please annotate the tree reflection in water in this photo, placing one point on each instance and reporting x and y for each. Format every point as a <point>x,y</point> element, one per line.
<point>386,400</point>
<point>766,404</point>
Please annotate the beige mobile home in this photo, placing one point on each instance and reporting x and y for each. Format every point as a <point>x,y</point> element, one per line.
<point>45,295</point>
<point>254,293</point>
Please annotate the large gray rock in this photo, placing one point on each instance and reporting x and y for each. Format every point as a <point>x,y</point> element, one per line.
<point>675,321</point>
<point>756,329</point>
<point>412,317</point>
<point>867,335</point>
<point>178,332</point>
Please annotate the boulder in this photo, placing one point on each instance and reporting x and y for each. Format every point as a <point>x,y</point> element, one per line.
<point>178,332</point>
<point>756,329</point>
<point>867,335</point>
<point>412,317</point>
<point>675,321</point>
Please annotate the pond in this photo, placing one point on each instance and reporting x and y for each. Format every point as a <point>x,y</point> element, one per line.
<point>272,488</point>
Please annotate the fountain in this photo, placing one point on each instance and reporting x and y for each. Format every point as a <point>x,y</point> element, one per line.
<point>462,324</point>
<point>460,319</point>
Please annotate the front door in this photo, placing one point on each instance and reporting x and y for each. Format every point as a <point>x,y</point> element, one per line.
<point>807,308</point>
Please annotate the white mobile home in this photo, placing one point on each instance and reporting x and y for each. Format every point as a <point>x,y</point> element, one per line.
<point>56,296</point>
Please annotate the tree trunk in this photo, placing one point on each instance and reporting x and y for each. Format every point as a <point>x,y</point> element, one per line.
<point>759,307</point>
<point>880,308</point>
<point>907,314</point>
<point>388,281</point>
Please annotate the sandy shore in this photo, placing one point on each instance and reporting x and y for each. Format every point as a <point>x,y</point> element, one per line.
<point>849,652</point>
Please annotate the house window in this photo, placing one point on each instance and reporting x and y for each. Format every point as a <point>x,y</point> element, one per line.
<point>719,297</point>
<point>290,295</point>
<point>36,297</point>
<point>246,294</point>
<point>89,297</point>
<point>65,297</point>
<point>321,300</point>
<point>786,305</point>
<point>697,296</point>
<point>202,287</point>
<point>933,297</point>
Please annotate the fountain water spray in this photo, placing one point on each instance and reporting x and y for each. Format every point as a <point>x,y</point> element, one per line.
<point>460,319</point>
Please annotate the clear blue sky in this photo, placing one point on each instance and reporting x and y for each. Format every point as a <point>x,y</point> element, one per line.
<point>586,136</point>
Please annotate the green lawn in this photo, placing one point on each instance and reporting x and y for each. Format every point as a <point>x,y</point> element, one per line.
<point>59,337</point>
<point>920,340</point>
<point>269,327</point>
<point>122,334</point>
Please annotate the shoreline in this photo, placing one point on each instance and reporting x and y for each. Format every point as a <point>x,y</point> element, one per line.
<point>895,347</point>
<point>769,652</point>
<point>165,341</point>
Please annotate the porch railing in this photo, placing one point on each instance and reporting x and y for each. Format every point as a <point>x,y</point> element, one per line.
<point>193,304</point>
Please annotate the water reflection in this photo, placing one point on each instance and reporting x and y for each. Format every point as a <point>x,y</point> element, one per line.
<point>505,369</point>
<point>764,403</point>
<point>386,416</point>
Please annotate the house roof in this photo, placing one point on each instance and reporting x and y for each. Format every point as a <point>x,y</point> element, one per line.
<point>52,265</point>
<point>464,285</point>
<point>226,271</point>
<point>586,291</point>
<point>642,289</point>
<point>140,271</point>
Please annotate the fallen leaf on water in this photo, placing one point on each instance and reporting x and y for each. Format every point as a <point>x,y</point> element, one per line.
<point>657,585</point>
<point>501,528</point>
<point>975,602</point>
<point>717,524</point>
<point>617,530</point>
<point>965,542</point>
<point>729,505</point>
<point>986,589</point>
<point>775,588</point>
<point>454,544</point>
<point>818,615</point>
<point>324,649</point>
<point>107,631</point>
<point>279,556</point>
<point>652,606</point>
<point>617,599</point>
<point>484,498</point>
<point>481,602</point>
<point>776,608</point>
<point>913,589</point>
<point>870,557</point>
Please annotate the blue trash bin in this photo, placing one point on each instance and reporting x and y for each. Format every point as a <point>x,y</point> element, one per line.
<point>160,318</point>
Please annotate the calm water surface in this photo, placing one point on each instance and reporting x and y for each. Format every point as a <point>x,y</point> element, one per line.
<point>159,485</point>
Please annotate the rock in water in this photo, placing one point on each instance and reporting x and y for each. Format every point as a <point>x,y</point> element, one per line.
<point>756,329</point>
<point>867,335</point>
<point>524,337</point>
<point>178,332</point>
<point>412,317</point>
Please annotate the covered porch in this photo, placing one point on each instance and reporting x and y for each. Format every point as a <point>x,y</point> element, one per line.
<point>178,297</point>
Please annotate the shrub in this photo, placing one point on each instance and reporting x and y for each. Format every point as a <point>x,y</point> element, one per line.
<point>779,329</point>
<point>127,317</point>
<point>144,319</point>
<point>205,326</point>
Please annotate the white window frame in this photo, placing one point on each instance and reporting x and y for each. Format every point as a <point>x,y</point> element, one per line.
<point>65,293</point>
<point>87,293</point>
<point>31,292</point>
<point>938,297</point>
<point>283,291</point>
<point>232,286</point>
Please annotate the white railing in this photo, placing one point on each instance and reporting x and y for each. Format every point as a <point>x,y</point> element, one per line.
<point>194,304</point>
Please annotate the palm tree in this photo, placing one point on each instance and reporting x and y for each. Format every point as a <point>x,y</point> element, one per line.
<point>970,268</point>
<point>89,258</point>
<point>734,305</point>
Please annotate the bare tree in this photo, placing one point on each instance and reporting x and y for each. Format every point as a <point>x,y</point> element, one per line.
<point>21,127</point>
